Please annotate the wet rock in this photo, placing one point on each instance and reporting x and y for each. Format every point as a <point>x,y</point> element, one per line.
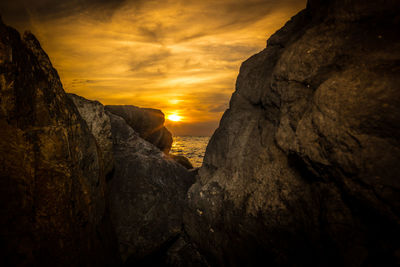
<point>149,123</point>
<point>53,210</point>
<point>303,170</point>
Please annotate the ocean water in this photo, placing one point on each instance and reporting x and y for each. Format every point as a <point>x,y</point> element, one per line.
<point>192,147</point>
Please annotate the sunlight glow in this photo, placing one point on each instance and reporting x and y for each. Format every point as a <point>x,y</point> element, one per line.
<point>181,57</point>
<point>174,117</point>
<point>174,101</point>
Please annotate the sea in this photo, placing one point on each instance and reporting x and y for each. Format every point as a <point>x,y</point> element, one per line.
<point>192,147</point>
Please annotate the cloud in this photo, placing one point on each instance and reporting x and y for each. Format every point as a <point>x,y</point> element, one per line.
<point>181,56</point>
<point>194,129</point>
<point>219,108</point>
<point>152,33</point>
<point>51,9</point>
<point>152,63</point>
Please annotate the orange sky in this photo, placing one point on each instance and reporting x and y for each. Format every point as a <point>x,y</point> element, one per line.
<point>178,56</point>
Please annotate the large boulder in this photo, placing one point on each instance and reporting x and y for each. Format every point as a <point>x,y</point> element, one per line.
<point>99,124</point>
<point>148,122</point>
<point>147,194</point>
<point>304,168</point>
<point>147,190</point>
<point>52,201</point>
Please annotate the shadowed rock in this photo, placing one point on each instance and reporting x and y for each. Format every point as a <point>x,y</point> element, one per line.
<point>147,194</point>
<point>304,168</point>
<point>182,160</point>
<point>147,190</point>
<point>53,210</point>
<point>99,124</point>
<point>149,123</point>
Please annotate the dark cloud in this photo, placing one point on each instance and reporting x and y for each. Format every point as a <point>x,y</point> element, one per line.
<point>150,62</point>
<point>19,11</point>
<point>82,81</point>
<point>219,108</point>
<point>242,12</point>
<point>234,13</point>
<point>235,51</point>
<point>192,36</point>
<point>153,34</point>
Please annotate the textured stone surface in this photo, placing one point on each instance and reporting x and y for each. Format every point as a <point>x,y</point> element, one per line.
<point>149,123</point>
<point>149,232</point>
<point>182,253</point>
<point>147,194</point>
<point>52,206</point>
<point>99,124</point>
<point>304,168</point>
<point>184,161</point>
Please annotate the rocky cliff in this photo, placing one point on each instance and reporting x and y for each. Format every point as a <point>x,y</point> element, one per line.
<point>147,194</point>
<point>148,122</point>
<point>53,210</point>
<point>304,168</point>
<point>147,187</point>
<point>79,187</point>
<point>99,125</point>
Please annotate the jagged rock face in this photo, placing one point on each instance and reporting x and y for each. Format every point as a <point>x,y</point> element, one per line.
<point>147,194</point>
<point>147,191</point>
<point>149,123</point>
<point>304,168</point>
<point>99,124</point>
<point>52,181</point>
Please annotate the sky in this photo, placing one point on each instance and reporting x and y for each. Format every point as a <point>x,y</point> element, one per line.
<point>179,56</point>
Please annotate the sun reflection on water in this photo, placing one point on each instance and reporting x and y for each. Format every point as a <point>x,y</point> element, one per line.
<point>192,147</point>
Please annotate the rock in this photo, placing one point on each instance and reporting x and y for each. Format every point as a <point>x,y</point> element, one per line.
<point>183,253</point>
<point>143,173</point>
<point>99,124</point>
<point>149,123</point>
<point>52,199</point>
<point>182,160</point>
<point>303,170</point>
<point>147,192</point>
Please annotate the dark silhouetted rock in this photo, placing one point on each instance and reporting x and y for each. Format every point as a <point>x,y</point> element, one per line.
<point>147,195</point>
<point>149,123</point>
<point>304,168</point>
<point>52,201</point>
<point>182,160</point>
<point>182,254</point>
<point>99,124</point>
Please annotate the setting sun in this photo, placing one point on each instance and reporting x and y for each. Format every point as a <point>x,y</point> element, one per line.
<point>181,57</point>
<point>174,117</point>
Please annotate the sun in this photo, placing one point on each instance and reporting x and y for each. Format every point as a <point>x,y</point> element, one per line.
<point>174,117</point>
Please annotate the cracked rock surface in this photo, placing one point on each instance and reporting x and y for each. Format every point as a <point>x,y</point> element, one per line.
<point>147,194</point>
<point>304,168</point>
<point>147,190</point>
<point>53,210</point>
<point>99,124</point>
